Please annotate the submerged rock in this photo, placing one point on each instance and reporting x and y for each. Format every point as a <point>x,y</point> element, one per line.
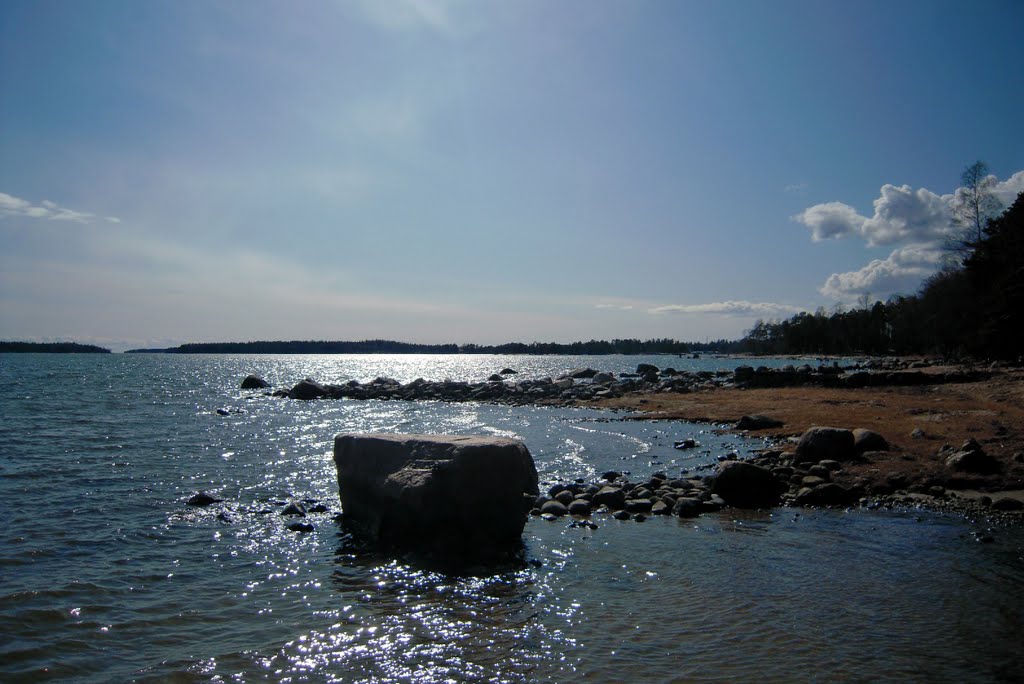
<point>203,499</point>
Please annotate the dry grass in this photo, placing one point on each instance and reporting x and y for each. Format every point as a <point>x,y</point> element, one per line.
<point>991,411</point>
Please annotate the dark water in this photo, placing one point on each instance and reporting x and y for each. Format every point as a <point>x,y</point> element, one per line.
<point>106,574</point>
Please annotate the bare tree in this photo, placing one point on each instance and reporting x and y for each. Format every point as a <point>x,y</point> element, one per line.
<point>974,204</point>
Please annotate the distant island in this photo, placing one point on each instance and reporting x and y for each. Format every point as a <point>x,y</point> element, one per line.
<point>51,348</point>
<point>593,347</point>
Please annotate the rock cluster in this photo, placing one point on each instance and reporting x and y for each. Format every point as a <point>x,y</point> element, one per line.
<point>585,384</point>
<point>588,384</point>
<point>617,496</point>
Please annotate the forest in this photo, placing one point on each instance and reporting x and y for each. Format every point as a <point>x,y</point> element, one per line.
<point>972,308</point>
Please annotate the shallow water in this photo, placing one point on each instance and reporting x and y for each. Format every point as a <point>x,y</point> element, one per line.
<point>106,574</point>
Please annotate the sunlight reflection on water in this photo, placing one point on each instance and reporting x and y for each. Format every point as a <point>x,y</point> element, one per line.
<point>108,575</point>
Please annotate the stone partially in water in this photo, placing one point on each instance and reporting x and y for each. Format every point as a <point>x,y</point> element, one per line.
<point>457,496</point>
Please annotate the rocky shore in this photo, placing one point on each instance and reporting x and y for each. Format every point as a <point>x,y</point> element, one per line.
<point>914,410</point>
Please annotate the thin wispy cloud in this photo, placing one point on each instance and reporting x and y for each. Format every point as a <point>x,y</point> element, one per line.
<point>616,307</point>
<point>47,210</point>
<point>729,308</point>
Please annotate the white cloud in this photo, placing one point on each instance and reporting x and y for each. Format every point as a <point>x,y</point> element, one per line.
<point>617,307</point>
<point>796,187</point>
<point>729,308</point>
<point>15,206</point>
<point>902,271</point>
<point>1008,190</point>
<point>920,220</point>
<point>903,214</point>
<point>831,220</point>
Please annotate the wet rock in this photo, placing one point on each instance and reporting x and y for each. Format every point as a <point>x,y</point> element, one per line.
<point>300,527</point>
<point>757,423</point>
<point>818,443</point>
<point>612,497</point>
<point>556,508</point>
<point>622,515</point>
<point>639,505</point>
<point>295,508</point>
<point>565,497</point>
<point>579,507</point>
<point>868,440</point>
<point>254,382</point>
<point>685,444</point>
<point>307,390</point>
<point>746,485</point>
<point>603,378</point>
<point>509,371</point>
<point>661,508</point>
<point>456,496</point>
<point>203,499</point>
<point>611,475</point>
<point>827,494</point>
<point>687,507</point>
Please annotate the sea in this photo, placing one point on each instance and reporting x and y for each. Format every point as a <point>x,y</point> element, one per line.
<point>107,575</point>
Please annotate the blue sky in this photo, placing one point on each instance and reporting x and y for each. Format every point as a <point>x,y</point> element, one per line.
<point>484,171</point>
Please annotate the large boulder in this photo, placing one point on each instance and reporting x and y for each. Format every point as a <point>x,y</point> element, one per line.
<point>746,485</point>
<point>825,443</point>
<point>459,497</point>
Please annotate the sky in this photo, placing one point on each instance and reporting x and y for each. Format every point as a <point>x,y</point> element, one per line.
<point>483,171</point>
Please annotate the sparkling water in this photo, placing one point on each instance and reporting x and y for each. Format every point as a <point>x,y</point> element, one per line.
<point>107,575</point>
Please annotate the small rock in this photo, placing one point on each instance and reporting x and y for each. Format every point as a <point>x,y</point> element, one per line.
<point>556,508</point>
<point>300,527</point>
<point>757,422</point>
<point>295,508</point>
<point>579,507</point>
<point>1005,503</point>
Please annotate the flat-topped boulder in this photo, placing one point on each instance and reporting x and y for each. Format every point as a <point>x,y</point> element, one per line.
<point>458,496</point>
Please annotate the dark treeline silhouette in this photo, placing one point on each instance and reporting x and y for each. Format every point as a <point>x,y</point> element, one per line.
<point>973,308</point>
<point>51,348</point>
<point>664,346</point>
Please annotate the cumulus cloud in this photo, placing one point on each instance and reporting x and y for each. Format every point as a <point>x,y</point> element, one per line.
<point>729,308</point>
<point>901,214</point>
<point>831,220</point>
<point>15,206</point>
<point>1007,191</point>
<point>920,220</point>
<point>902,271</point>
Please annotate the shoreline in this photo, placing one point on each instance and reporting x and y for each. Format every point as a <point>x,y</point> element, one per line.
<point>923,424</point>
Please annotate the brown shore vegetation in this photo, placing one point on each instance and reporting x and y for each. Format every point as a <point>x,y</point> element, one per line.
<point>916,421</point>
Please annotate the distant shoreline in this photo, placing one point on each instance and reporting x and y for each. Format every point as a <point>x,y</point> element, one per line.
<point>51,348</point>
<point>591,348</point>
